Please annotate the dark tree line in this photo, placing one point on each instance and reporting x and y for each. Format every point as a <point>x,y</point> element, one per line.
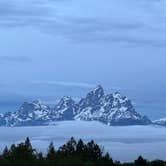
<point>73,153</point>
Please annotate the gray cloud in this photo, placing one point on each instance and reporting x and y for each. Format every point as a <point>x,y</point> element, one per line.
<point>48,17</point>
<point>62,83</point>
<point>18,59</point>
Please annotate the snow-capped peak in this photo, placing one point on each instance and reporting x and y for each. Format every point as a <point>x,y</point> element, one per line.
<point>66,101</point>
<point>112,109</point>
<point>98,91</point>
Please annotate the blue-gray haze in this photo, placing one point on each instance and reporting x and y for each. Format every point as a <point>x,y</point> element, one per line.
<point>53,48</point>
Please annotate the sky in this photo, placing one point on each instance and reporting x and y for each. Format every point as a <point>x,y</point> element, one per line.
<point>53,48</point>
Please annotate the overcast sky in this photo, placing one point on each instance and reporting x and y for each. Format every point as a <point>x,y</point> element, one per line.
<point>53,48</point>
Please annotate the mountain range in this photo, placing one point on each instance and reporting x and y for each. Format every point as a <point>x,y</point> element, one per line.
<point>111,109</point>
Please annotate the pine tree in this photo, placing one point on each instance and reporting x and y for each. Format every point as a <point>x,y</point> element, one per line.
<point>140,161</point>
<point>13,151</point>
<point>6,153</point>
<point>28,143</point>
<point>51,155</point>
<point>108,160</point>
<point>69,148</point>
<point>28,148</point>
<point>80,147</point>
<point>93,150</point>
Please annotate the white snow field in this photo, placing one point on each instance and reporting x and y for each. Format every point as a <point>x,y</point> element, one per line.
<point>123,143</point>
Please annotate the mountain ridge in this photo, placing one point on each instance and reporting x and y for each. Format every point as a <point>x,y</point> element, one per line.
<point>110,109</point>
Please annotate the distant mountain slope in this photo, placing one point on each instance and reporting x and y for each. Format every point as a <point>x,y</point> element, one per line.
<point>111,109</point>
<point>160,122</point>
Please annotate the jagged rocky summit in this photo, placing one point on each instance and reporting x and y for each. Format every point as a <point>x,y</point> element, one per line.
<point>110,109</point>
